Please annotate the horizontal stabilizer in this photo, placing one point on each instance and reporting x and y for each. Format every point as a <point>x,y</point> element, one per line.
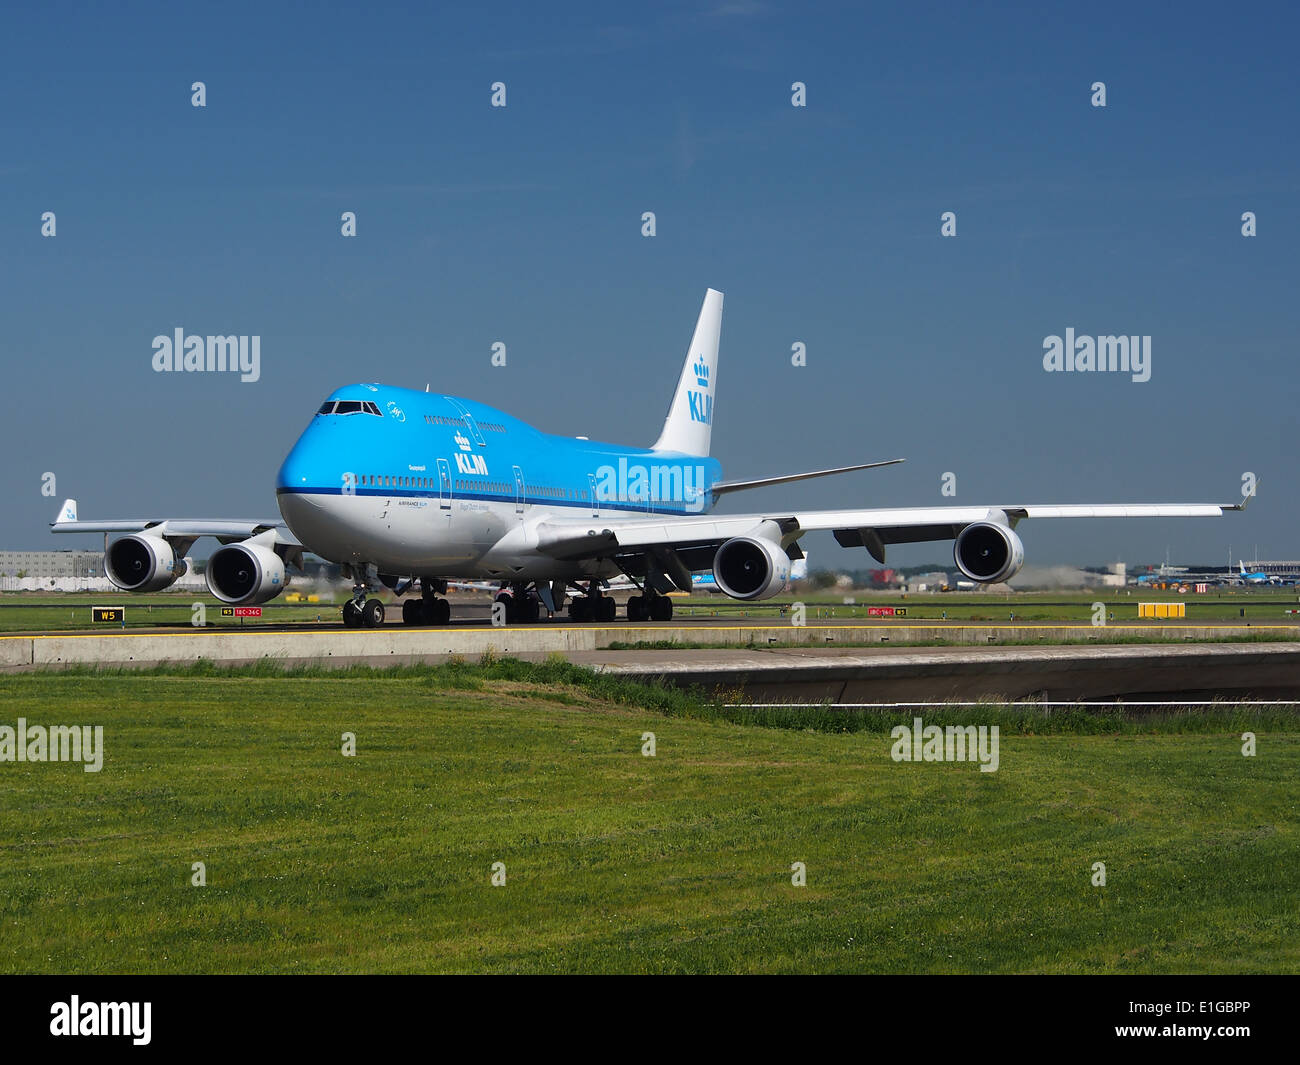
<point>723,487</point>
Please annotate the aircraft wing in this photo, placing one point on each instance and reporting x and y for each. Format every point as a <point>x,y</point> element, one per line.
<point>595,537</point>
<point>224,529</point>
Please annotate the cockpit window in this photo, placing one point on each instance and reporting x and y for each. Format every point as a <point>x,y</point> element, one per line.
<point>350,406</point>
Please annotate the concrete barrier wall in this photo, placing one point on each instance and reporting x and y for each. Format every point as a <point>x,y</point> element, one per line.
<point>401,645</point>
<point>16,653</point>
<point>336,649</point>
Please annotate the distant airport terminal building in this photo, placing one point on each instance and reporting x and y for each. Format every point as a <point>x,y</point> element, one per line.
<point>43,565</point>
<point>1277,568</point>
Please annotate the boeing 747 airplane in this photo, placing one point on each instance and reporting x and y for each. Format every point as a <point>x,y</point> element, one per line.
<point>411,489</point>
<point>1255,577</point>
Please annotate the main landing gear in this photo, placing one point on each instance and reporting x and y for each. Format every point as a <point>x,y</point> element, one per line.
<point>649,607</point>
<point>431,611</point>
<point>428,609</point>
<point>593,606</point>
<point>596,606</point>
<point>522,605</point>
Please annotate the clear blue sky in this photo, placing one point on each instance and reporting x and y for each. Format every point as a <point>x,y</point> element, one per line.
<point>522,225</point>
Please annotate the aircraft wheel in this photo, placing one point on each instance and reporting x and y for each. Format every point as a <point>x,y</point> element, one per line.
<point>578,609</point>
<point>441,612</point>
<point>530,611</point>
<point>372,616</point>
<point>661,608</point>
<point>413,612</point>
<point>508,601</point>
<point>351,614</point>
<point>635,609</point>
<point>608,608</point>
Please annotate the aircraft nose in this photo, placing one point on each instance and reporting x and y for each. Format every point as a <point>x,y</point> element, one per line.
<point>295,472</point>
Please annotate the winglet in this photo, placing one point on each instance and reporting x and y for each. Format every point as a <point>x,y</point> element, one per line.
<point>67,513</point>
<point>1245,502</point>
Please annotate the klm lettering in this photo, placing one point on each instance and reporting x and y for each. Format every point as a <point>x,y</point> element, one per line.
<point>470,463</point>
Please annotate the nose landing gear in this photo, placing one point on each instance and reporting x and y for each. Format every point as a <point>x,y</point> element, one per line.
<point>360,613</point>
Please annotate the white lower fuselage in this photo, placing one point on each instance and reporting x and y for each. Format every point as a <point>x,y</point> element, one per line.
<point>428,537</point>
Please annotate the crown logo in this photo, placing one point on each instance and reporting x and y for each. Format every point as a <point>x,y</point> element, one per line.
<point>702,372</point>
<point>461,441</point>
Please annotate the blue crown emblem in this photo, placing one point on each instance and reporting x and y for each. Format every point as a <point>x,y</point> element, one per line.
<point>702,373</point>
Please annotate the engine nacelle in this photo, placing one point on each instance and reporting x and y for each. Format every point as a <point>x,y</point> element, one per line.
<point>143,563</point>
<point>751,567</point>
<point>988,552</point>
<point>246,574</point>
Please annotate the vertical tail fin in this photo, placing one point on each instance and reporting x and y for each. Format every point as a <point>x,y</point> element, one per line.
<point>689,424</point>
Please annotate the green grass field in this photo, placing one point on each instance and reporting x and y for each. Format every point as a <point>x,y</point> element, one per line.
<point>616,862</point>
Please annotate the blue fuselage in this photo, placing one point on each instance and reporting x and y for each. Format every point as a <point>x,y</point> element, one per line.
<point>422,483</point>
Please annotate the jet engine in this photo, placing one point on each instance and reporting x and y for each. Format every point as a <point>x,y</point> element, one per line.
<point>751,567</point>
<point>143,563</point>
<point>246,574</point>
<point>988,552</point>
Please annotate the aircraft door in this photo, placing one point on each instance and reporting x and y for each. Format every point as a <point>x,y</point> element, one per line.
<point>519,490</point>
<point>444,485</point>
<point>595,499</point>
<point>468,418</point>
